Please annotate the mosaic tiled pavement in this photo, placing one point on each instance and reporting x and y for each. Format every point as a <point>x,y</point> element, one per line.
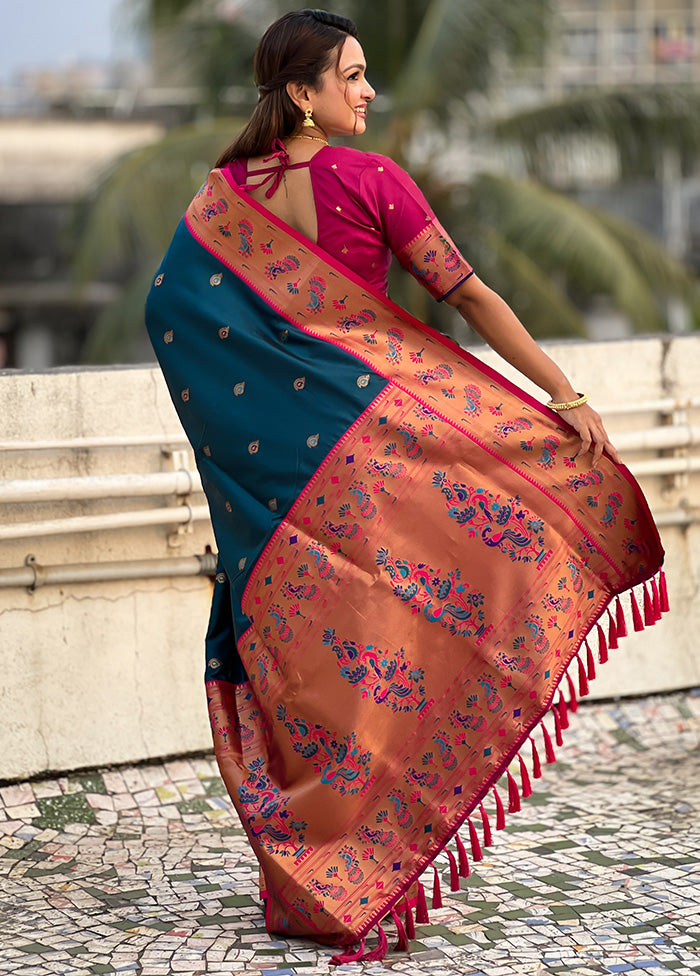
<point>146,870</point>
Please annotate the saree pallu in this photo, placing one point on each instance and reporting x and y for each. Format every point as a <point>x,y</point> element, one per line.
<point>411,560</point>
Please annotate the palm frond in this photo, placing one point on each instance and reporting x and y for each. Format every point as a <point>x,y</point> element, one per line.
<point>132,211</point>
<point>453,52</point>
<point>564,237</point>
<point>532,294</point>
<point>119,334</point>
<point>638,122</point>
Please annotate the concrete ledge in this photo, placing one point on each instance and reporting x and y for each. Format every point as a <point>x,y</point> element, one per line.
<point>111,672</point>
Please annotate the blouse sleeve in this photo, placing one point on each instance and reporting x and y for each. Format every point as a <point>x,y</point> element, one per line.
<point>411,229</point>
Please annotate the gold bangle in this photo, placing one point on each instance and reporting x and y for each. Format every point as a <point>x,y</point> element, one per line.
<point>582,398</point>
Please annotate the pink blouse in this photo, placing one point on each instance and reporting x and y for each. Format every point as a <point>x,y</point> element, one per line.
<point>367,209</point>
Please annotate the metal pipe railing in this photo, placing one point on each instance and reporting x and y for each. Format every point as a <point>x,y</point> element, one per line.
<point>182,482</point>
<point>33,575</point>
<point>85,443</point>
<point>179,514</point>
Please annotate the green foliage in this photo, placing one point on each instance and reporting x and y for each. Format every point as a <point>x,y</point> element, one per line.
<point>639,123</point>
<point>545,253</point>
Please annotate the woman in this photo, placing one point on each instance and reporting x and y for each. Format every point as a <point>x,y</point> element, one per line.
<point>412,551</point>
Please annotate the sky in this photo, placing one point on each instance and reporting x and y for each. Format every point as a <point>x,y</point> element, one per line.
<point>56,33</point>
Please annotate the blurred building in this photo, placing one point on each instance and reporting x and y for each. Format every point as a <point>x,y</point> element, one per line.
<point>622,42</point>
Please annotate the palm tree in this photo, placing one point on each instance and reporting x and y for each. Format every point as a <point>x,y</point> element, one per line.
<point>541,249</point>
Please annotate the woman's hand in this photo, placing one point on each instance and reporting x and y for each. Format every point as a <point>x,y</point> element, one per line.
<point>590,428</point>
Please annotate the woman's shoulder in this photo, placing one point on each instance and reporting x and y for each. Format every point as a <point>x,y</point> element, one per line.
<point>358,160</point>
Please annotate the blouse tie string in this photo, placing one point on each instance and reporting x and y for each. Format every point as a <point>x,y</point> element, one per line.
<point>275,174</point>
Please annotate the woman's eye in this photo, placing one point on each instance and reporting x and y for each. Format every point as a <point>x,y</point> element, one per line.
<point>354,76</point>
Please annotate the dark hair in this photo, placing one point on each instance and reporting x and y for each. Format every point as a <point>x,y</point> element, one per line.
<point>297,47</point>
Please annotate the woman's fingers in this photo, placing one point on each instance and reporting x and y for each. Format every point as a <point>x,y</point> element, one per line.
<point>590,428</point>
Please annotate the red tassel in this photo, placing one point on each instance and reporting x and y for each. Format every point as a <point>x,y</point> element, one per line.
<point>663,592</point>
<point>602,645</point>
<point>573,703</point>
<point>422,917</point>
<point>612,633</point>
<point>474,840</point>
<point>408,920</point>
<point>402,941</point>
<point>454,873</point>
<point>636,615</point>
<point>563,711</point>
<point>557,726</point>
<point>620,622</point>
<point>380,951</point>
<point>525,786</point>
<point>437,893</point>
<point>655,601</point>
<point>349,956</point>
<point>464,869</point>
<point>513,795</point>
<point>548,747</point>
<point>582,679</point>
<point>485,823</point>
<point>649,618</point>
<point>500,814</point>
<point>590,663</point>
<point>536,766</point>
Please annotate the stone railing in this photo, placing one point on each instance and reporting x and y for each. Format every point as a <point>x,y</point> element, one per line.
<point>106,550</point>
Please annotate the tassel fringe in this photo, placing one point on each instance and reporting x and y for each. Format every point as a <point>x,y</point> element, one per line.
<point>525,786</point>
<point>454,873</point>
<point>563,711</point>
<point>422,917</point>
<point>602,645</point>
<point>548,748</point>
<point>474,840</point>
<point>582,678</point>
<point>464,869</point>
<point>486,824</point>
<point>590,663</point>
<point>557,726</point>
<point>408,921</point>
<point>437,891</point>
<point>655,603</point>
<point>402,941</point>
<point>500,814</point>
<point>513,795</point>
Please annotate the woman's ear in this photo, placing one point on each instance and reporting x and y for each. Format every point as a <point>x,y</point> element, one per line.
<point>299,94</point>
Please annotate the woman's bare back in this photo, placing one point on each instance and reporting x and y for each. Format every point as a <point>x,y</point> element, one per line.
<point>293,200</point>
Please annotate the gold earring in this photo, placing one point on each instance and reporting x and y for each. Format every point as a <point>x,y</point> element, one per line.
<point>308,122</point>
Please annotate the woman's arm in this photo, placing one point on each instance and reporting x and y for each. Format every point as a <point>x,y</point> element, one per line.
<point>498,325</point>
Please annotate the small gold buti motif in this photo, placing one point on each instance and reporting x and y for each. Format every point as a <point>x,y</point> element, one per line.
<point>215,279</point>
<point>221,577</point>
<point>168,336</point>
<point>228,507</point>
<point>214,663</point>
<point>185,395</point>
<point>272,504</point>
<point>242,562</point>
<point>206,450</point>
<point>312,441</point>
<point>363,381</point>
<point>239,389</point>
<point>300,383</point>
<point>253,447</point>
<point>159,280</point>
<point>224,332</point>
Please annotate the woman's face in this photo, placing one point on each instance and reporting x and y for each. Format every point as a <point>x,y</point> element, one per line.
<point>340,102</point>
